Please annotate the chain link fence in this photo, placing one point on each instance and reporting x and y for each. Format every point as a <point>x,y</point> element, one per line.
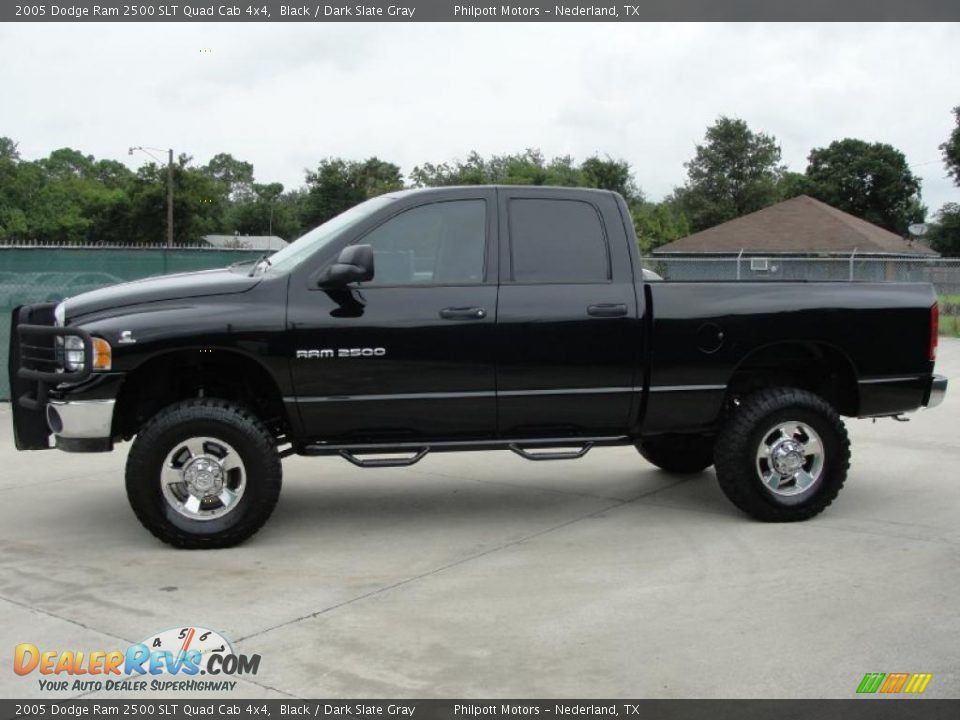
<point>37,274</point>
<point>943,273</point>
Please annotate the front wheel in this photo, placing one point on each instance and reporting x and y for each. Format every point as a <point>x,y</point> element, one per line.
<point>203,473</point>
<point>783,455</point>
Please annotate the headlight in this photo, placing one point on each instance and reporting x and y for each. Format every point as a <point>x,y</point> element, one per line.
<point>73,359</point>
<point>73,354</point>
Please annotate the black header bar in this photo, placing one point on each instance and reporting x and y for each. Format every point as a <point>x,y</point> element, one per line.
<point>479,11</point>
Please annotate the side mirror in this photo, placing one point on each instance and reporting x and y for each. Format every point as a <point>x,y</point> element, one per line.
<point>355,264</point>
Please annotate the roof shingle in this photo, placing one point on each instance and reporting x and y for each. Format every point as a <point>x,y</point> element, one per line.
<point>798,225</point>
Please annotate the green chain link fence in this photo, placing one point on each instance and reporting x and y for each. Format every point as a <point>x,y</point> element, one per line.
<point>37,274</point>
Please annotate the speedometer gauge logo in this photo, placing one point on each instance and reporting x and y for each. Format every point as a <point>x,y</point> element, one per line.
<point>182,640</point>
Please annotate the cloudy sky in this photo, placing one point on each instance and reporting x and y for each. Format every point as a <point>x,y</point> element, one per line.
<point>283,96</point>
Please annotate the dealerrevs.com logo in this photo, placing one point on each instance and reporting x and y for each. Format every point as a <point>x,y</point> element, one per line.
<point>170,661</point>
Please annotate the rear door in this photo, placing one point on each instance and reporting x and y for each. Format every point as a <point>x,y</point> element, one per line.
<point>568,328</point>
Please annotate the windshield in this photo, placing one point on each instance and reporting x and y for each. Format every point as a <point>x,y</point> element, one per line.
<point>309,243</point>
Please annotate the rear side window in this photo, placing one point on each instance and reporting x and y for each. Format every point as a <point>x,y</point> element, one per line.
<point>557,241</point>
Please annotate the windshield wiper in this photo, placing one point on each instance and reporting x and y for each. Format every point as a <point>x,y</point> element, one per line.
<point>262,259</point>
<point>242,262</point>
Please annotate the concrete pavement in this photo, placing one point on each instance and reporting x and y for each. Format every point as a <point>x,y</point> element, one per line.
<point>483,575</point>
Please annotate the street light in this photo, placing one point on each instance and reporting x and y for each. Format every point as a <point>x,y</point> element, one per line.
<point>169,152</point>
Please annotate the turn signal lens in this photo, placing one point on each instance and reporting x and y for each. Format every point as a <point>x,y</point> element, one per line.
<point>102,357</point>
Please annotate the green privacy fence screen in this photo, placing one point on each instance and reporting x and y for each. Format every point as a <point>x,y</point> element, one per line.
<point>47,274</point>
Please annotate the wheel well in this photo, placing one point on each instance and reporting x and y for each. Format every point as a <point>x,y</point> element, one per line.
<point>180,375</point>
<point>821,369</point>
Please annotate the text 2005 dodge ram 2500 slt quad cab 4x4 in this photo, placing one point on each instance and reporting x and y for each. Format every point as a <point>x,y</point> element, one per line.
<point>468,318</point>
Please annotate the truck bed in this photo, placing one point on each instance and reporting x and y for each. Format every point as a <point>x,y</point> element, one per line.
<point>703,334</point>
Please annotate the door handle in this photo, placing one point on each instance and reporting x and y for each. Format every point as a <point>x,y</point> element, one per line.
<point>607,310</point>
<point>463,313</point>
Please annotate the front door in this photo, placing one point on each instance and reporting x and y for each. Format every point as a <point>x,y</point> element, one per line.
<point>409,354</point>
<point>569,333</point>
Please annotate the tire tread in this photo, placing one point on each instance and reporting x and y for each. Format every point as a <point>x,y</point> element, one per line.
<point>213,409</point>
<point>734,460</point>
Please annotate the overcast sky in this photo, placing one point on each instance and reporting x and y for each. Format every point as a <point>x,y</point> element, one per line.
<point>283,96</point>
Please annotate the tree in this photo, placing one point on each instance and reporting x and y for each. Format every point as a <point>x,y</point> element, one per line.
<point>530,167</point>
<point>526,168</point>
<point>951,149</point>
<point>338,184</point>
<point>658,223</point>
<point>870,180</point>
<point>199,203</point>
<point>472,172</point>
<point>236,176</point>
<point>610,174</point>
<point>793,184</point>
<point>9,149</point>
<point>66,197</point>
<point>945,233</point>
<point>20,184</point>
<point>268,212</point>
<point>71,197</point>
<point>734,172</point>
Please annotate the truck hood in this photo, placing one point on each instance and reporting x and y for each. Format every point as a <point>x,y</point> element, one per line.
<point>165,287</point>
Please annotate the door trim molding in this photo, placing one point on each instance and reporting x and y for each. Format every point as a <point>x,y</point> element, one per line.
<point>462,395</point>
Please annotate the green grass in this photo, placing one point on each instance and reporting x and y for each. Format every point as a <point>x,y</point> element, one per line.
<point>950,325</point>
<point>949,315</point>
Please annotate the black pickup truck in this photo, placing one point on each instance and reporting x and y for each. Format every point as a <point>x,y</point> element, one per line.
<point>470,318</point>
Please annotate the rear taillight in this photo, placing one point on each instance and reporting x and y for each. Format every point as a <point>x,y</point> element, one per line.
<point>934,330</point>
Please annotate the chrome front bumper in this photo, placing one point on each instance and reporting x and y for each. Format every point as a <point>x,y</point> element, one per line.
<point>938,389</point>
<point>81,419</point>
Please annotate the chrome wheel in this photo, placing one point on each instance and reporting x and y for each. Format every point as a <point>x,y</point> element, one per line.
<point>203,478</point>
<point>790,458</point>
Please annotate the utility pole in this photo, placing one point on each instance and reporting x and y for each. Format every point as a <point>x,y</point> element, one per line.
<point>147,150</point>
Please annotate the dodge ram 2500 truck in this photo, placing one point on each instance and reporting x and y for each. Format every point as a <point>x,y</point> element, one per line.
<point>471,318</point>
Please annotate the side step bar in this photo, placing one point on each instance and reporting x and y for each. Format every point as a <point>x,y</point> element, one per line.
<point>411,453</point>
<point>383,462</point>
<point>552,454</point>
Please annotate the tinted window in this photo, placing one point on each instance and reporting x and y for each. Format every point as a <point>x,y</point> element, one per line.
<point>557,241</point>
<point>438,243</point>
<point>312,242</point>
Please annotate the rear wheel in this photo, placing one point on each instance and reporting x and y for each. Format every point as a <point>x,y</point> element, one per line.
<point>681,454</point>
<point>783,455</point>
<point>203,473</point>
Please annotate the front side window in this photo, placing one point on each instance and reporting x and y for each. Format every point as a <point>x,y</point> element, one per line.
<point>315,240</point>
<point>557,241</point>
<point>441,243</point>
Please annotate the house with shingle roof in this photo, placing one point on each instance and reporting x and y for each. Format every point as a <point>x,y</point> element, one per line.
<point>799,238</point>
<point>800,225</point>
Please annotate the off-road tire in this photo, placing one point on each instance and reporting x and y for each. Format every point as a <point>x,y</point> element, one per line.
<point>212,418</point>
<point>746,426</point>
<point>680,454</point>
